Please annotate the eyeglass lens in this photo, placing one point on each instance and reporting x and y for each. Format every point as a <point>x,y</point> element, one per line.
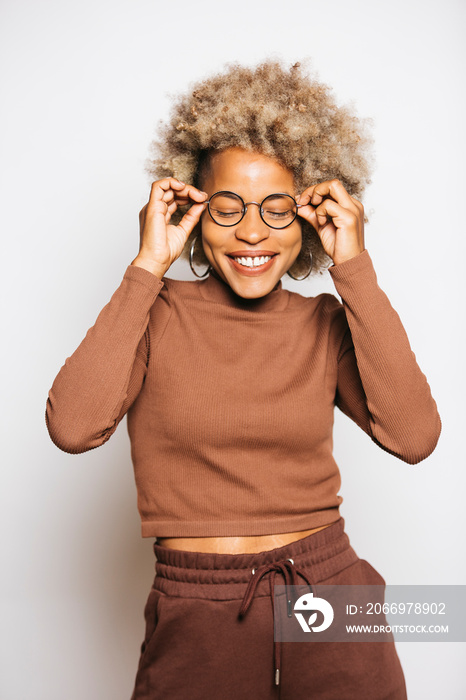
<point>277,211</point>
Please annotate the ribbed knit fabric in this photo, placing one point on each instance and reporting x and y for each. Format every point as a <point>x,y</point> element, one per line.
<point>231,401</point>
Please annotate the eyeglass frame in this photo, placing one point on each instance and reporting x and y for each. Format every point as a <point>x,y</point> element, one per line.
<point>245,208</point>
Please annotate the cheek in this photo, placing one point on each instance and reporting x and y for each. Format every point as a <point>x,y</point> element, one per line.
<point>212,237</point>
<point>205,228</point>
<point>295,237</point>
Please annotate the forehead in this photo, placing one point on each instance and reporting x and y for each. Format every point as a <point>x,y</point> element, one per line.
<point>249,174</point>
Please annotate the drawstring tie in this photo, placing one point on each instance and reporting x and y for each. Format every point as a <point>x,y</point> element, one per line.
<point>290,574</point>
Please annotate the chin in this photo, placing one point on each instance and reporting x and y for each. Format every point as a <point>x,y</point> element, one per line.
<point>252,288</point>
<point>249,286</point>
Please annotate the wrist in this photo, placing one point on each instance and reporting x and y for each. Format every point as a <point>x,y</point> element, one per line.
<point>352,269</point>
<point>341,259</point>
<point>149,265</point>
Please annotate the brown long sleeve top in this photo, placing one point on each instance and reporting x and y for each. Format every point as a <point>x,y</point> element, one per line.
<point>230,402</point>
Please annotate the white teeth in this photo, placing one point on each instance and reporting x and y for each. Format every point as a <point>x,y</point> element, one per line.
<point>253,262</point>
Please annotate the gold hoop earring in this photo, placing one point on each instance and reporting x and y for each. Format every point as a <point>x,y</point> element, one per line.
<point>306,275</point>
<point>191,253</point>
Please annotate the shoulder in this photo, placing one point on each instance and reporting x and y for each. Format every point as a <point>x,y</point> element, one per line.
<point>324,304</point>
<point>172,290</point>
<point>181,288</point>
<point>323,316</point>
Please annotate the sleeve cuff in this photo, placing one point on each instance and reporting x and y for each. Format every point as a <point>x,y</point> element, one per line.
<point>356,280</point>
<point>361,263</point>
<point>143,276</point>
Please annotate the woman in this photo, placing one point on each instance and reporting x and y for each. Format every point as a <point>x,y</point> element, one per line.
<point>230,384</point>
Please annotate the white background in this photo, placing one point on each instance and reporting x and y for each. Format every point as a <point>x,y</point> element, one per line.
<point>83,86</point>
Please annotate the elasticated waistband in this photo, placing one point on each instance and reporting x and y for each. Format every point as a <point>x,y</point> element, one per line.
<point>224,576</point>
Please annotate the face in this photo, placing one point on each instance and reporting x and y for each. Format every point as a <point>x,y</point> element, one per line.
<point>253,176</point>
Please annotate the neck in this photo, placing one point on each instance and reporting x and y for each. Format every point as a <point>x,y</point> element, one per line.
<point>216,289</point>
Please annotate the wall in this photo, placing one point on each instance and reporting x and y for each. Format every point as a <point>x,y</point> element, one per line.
<point>83,87</point>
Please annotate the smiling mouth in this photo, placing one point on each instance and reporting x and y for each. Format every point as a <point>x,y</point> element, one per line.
<point>252,261</point>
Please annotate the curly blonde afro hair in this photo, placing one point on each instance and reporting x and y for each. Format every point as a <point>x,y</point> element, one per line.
<point>282,113</point>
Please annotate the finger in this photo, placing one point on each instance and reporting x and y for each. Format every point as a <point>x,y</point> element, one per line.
<point>332,209</point>
<point>315,194</point>
<point>328,210</point>
<point>185,196</point>
<point>181,199</point>
<point>191,218</point>
<point>304,198</point>
<point>172,207</point>
<point>163,191</point>
<point>171,192</point>
<point>190,192</point>
<point>180,187</point>
<point>168,197</point>
<point>167,183</point>
<point>345,221</point>
<point>306,211</point>
<point>334,189</point>
<point>170,211</point>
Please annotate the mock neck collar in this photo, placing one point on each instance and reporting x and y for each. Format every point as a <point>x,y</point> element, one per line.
<point>213,288</point>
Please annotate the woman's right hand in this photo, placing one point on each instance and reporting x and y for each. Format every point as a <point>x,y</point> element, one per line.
<point>161,243</point>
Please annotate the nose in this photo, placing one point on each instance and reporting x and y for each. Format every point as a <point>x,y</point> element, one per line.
<point>251,228</point>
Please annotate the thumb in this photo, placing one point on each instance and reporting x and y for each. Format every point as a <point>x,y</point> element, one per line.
<point>307,212</point>
<point>191,218</point>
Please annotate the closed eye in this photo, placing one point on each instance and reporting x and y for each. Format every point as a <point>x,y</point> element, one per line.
<point>221,213</point>
<point>278,214</point>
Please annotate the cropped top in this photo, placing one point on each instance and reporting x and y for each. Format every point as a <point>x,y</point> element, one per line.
<point>230,401</point>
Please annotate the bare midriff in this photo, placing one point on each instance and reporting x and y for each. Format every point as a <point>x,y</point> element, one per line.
<point>235,545</point>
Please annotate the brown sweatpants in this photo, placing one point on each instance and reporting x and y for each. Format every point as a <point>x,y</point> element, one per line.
<point>196,646</point>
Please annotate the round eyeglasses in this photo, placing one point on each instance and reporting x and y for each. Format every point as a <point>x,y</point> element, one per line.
<point>276,210</point>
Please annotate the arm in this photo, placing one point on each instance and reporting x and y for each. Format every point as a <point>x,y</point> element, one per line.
<point>98,383</point>
<point>380,385</point>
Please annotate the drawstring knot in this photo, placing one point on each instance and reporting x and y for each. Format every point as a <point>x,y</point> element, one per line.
<point>289,572</point>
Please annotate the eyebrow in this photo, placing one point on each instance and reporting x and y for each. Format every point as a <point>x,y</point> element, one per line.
<point>230,195</point>
<point>275,195</point>
<point>233,195</point>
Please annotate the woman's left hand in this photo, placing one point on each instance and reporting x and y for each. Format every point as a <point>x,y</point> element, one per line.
<point>337,217</point>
